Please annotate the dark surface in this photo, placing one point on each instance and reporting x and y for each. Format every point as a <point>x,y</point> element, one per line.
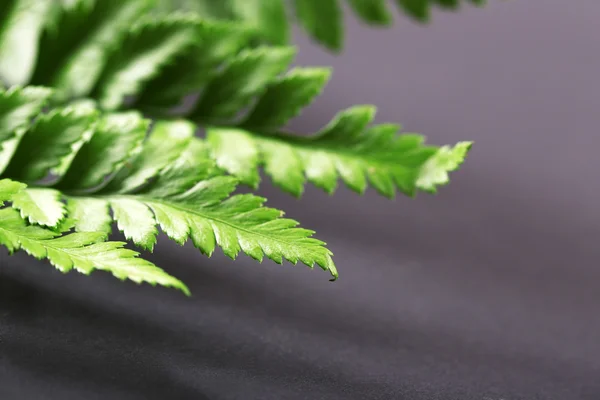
<point>489,290</point>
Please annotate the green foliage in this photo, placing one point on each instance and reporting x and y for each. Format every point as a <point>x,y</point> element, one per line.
<point>40,206</point>
<point>84,251</point>
<point>18,107</point>
<point>246,98</point>
<point>321,19</point>
<point>8,189</point>
<point>74,48</point>
<point>22,22</point>
<point>165,179</point>
<point>348,148</point>
<point>72,128</point>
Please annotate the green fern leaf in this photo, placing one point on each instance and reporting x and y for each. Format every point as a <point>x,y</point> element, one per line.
<point>435,171</point>
<point>118,168</point>
<point>347,148</point>
<point>187,73</point>
<point>418,9</point>
<point>285,97</point>
<point>243,78</point>
<point>321,19</point>
<point>106,151</point>
<point>148,47</point>
<point>219,9</point>
<point>189,199</point>
<point>167,180</point>
<point>22,25</point>
<point>372,11</point>
<point>245,102</point>
<point>313,13</point>
<point>40,206</point>
<point>167,142</point>
<point>268,16</point>
<point>49,141</point>
<point>90,215</point>
<point>18,106</point>
<point>84,252</point>
<point>74,50</point>
<point>8,188</point>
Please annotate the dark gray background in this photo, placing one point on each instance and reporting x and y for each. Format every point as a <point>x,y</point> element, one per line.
<point>488,290</point>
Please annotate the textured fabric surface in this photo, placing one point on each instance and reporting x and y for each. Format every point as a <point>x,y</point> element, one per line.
<point>487,291</point>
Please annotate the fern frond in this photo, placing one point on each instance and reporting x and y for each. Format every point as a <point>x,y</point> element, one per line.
<point>116,138</point>
<point>18,107</point>
<point>347,147</point>
<point>149,46</point>
<point>321,19</point>
<point>245,101</point>
<point>165,180</point>
<point>83,251</point>
<point>49,141</point>
<point>242,138</point>
<point>40,206</point>
<point>190,70</point>
<point>87,169</point>
<point>22,23</point>
<point>244,77</point>
<point>269,17</point>
<point>74,49</point>
<point>8,189</point>
<point>189,199</point>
